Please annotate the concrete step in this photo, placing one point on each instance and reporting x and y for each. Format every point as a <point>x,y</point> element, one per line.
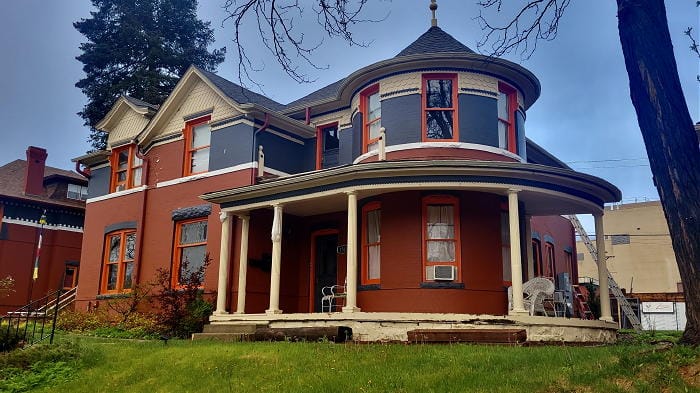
<point>228,337</point>
<point>231,328</point>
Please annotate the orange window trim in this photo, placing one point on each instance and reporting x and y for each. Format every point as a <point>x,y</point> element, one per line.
<point>177,248</point>
<point>510,121</point>
<point>114,163</point>
<point>364,109</point>
<point>453,108</point>
<point>121,261</point>
<point>320,142</point>
<point>369,207</point>
<point>442,200</point>
<point>188,135</point>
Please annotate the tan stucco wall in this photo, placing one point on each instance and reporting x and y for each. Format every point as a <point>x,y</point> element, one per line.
<point>647,262</point>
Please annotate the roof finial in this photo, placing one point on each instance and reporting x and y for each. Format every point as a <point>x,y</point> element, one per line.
<point>433,7</point>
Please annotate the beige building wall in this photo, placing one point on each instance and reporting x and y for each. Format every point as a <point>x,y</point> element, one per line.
<point>637,239</point>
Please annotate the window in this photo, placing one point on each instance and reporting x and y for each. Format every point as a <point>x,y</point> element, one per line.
<point>537,258</point>
<point>117,274</point>
<point>76,191</point>
<point>505,247</point>
<point>440,233</point>
<point>550,267</point>
<point>440,107</point>
<point>190,248</point>
<point>371,108</point>
<point>126,168</point>
<point>327,144</point>
<point>507,105</point>
<point>371,243</point>
<point>197,139</point>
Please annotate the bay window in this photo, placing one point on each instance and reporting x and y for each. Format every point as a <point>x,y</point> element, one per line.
<point>371,108</point>
<point>440,107</point>
<point>441,234</point>
<point>371,243</point>
<point>197,141</point>
<point>117,273</point>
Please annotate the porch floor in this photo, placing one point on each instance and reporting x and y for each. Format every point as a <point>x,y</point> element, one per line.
<point>394,327</point>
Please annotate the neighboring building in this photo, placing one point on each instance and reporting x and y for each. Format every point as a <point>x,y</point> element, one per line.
<point>641,259</point>
<point>411,180</point>
<point>27,190</point>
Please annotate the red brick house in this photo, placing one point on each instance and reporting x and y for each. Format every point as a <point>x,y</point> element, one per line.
<point>411,180</point>
<point>27,190</point>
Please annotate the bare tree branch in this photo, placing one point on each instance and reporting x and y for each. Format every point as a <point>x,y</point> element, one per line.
<point>693,44</point>
<point>277,22</point>
<point>534,21</point>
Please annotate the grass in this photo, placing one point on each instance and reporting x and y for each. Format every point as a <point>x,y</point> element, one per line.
<point>111,365</point>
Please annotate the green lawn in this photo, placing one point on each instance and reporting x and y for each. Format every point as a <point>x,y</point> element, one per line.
<point>110,365</point>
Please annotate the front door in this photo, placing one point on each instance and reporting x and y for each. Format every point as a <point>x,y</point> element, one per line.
<point>326,265</point>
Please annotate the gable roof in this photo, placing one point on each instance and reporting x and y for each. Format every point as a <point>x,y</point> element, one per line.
<point>13,178</point>
<point>330,91</point>
<point>435,40</point>
<point>239,93</point>
<point>111,118</point>
<point>140,103</point>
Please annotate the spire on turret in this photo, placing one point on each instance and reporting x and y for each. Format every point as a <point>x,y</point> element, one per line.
<point>433,8</point>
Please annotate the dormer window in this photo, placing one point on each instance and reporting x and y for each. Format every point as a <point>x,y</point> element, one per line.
<point>371,108</point>
<point>507,104</point>
<point>197,139</point>
<point>76,191</point>
<point>440,107</point>
<point>126,168</point>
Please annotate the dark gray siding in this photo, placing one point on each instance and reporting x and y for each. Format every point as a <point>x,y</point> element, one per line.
<point>520,134</point>
<point>98,184</point>
<point>357,136</point>
<point>309,161</point>
<point>282,154</point>
<point>346,143</point>
<point>478,120</point>
<point>231,146</point>
<point>401,116</point>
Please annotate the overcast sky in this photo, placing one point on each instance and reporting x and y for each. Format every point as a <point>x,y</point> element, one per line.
<point>584,115</point>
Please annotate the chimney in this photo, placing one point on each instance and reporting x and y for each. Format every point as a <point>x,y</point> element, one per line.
<point>36,161</point>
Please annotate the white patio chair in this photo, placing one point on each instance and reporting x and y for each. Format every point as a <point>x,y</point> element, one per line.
<point>329,296</point>
<point>535,291</point>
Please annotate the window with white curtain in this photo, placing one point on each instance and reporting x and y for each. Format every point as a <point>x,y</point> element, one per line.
<point>371,243</point>
<point>441,232</point>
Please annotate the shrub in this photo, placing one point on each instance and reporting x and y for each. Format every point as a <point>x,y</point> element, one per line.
<point>104,324</point>
<point>10,338</point>
<point>38,365</point>
<point>182,310</point>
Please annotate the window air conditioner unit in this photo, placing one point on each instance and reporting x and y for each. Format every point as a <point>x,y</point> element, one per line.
<point>441,273</point>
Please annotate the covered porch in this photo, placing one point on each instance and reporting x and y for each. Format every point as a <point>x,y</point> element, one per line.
<point>307,212</point>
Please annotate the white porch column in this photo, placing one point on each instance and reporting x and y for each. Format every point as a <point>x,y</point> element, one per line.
<point>224,254</point>
<point>605,314</point>
<point>243,263</point>
<point>515,259</point>
<point>528,247</point>
<point>351,254</point>
<point>276,262</point>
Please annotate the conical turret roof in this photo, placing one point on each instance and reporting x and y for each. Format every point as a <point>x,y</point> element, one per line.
<point>435,40</point>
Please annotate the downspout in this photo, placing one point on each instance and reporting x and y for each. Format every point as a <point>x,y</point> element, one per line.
<point>308,115</point>
<point>141,231</point>
<point>254,149</point>
<point>84,172</point>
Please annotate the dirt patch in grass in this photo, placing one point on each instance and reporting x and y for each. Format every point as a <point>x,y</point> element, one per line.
<point>691,374</point>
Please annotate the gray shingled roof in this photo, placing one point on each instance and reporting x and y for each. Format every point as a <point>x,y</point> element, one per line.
<point>435,40</point>
<point>240,94</point>
<point>321,94</point>
<point>140,103</point>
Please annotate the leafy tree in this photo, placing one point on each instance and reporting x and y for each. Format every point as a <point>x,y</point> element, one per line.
<point>655,90</point>
<point>139,48</point>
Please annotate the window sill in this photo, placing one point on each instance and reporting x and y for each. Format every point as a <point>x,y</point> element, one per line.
<point>108,296</point>
<point>442,285</point>
<point>369,287</point>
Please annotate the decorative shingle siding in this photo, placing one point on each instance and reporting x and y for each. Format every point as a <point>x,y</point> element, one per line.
<point>200,98</point>
<point>130,125</point>
<point>400,85</point>
<point>477,84</point>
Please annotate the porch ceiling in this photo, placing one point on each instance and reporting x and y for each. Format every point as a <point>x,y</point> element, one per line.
<point>543,190</point>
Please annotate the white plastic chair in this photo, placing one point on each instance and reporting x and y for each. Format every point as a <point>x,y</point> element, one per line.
<point>328,296</point>
<point>535,291</point>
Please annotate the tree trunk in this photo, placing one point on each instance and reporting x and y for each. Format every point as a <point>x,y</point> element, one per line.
<point>670,139</point>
